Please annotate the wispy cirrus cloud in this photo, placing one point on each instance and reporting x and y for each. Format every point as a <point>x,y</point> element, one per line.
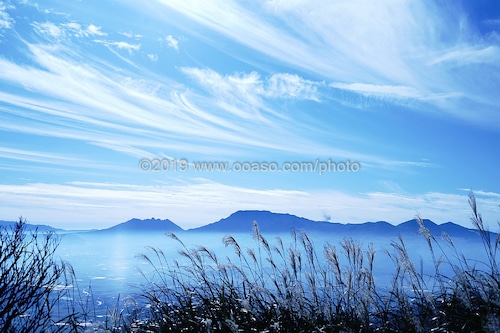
<point>48,29</point>
<point>6,21</point>
<point>406,50</point>
<point>131,35</point>
<point>23,158</point>
<point>379,90</point>
<point>119,45</point>
<point>71,29</point>
<point>468,55</point>
<point>93,102</point>
<point>131,112</point>
<point>36,156</point>
<point>251,87</point>
<point>285,85</point>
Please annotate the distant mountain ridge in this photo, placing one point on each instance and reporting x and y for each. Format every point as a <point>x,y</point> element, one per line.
<point>242,222</point>
<point>269,222</point>
<point>147,225</point>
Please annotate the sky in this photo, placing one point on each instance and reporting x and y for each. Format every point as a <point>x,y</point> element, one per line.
<point>342,111</point>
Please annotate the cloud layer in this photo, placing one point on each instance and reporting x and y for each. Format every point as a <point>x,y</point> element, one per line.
<point>407,89</point>
<point>106,204</point>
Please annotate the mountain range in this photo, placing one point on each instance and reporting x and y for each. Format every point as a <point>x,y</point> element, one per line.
<point>269,222</point>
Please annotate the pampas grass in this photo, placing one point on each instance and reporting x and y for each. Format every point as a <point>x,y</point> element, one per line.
<point>298,287</point>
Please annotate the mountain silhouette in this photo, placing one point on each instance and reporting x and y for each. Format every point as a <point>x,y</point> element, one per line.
<point>437,230</point>
<point>143,226</point>
<point>268,222</point>
<point>242,222</point>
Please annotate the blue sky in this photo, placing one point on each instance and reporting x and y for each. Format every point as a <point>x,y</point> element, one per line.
<point>409,90</point>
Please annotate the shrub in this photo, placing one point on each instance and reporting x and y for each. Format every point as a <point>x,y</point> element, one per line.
<point>32,282</point>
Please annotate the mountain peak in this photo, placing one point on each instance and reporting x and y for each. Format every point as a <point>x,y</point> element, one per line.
<point>242,221</point>
<point>146,225</point>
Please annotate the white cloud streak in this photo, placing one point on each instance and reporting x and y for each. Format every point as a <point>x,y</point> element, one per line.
<point>105,204</point>
<point>35,156</point>
<point>402,49</point>
<point>379,90</point>
<point>251,88</point>
<point>58,31</point>
<point>91,100</point>
<point>6,22</point>
<point>120,45</point>
<point>33,159</point>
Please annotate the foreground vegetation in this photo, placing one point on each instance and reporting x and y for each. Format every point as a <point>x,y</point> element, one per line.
<point>33,284</point>
<point>295,287</point>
